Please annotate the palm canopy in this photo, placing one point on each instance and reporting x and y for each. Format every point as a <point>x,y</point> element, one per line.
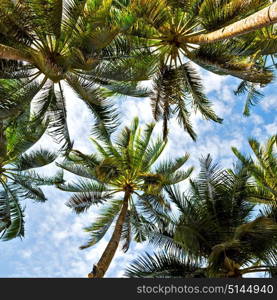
<point>91,44</point>
<point>217,232</point>
<point>170,30</point>
<point>18,180</point>
<point>123,166</point>
<point>173,31</point>
<point>78,42</point>
<point>263,168</point>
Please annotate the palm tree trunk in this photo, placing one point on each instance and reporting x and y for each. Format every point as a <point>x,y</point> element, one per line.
<point>7,52</point>
<point>254,269</point>
<point>104,262</point>
<point>252,75</point>
<point>262,18</point>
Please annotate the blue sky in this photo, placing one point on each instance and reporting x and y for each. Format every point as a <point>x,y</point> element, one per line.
<point>54,233</point>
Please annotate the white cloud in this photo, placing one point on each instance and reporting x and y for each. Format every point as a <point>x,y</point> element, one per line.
<point>271,129</point>
<point>269,103</point>
<point>132,107</point>
<point>213,82</point>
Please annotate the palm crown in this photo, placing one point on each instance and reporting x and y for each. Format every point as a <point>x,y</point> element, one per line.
<point>76,42</point>
<point>217,233</point>
<point>175,31</point>
<point>123,166</point>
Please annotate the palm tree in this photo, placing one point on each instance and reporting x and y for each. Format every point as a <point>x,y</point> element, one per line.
<point>76,42</point>
<point>209,35</point>
<point>121,174</point>
<point>263,168</point>
<point>84,43</point>
<point>217,232</point>
<point>18,180</point>
<point>236,10</point>
<point>221,20</point>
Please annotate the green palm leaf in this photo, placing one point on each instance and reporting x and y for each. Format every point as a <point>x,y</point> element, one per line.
<point>35,159</point>
<point>164,265</point>
<point>16,222</point>
<point>253,95</point>
<point>82,201</point>
<point>195,89</point>
<point>99,228</point>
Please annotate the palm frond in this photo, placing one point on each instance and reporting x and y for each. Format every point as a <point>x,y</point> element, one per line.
<point>5,220</point>
<point>142,142</point>
<point>82,201</point>
<point>253,95</point>
<point>82,186</point>
<point>106,117</point>
<point>46,15</point>
<point>183,117</point>
<point>141,227</point>
<point>35,159</point>
<point>176,197</point>
<point>126,234</point>
<point>77,169</point>
<point>16,223</point>
<point>99,228</point>
<point>57,118</point>
<point>73,10</point>
<point>172,166</point>
<point>41,180</point>
<point>22,134</point>
<point>28,189</point>
<point>264,168</point>
<point>153,152</point>
<point>195,89</point>
<point>164,265</point>
<point>154,208</point>
<point>90,161</point>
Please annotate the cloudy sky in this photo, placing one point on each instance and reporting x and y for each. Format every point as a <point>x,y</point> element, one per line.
<point>54,233</point>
